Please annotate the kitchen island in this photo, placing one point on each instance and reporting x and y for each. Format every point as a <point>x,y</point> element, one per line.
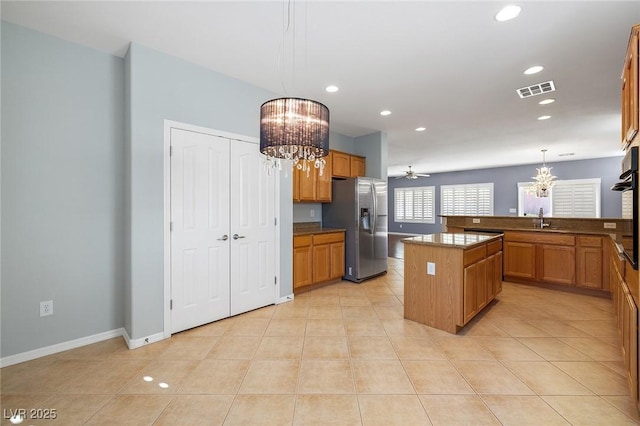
<point>450,277</point>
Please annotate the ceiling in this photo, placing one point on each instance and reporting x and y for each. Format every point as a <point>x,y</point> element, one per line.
<point>447,66</point>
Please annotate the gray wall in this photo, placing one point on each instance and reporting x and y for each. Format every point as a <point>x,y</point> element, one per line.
<point>505,191</point>
<point>373,146</point>
<point>62,190</point>
<point>165,87</point>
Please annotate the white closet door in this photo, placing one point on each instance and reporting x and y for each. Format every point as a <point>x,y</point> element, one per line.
<point>252,230</point>
<point>200,222</point>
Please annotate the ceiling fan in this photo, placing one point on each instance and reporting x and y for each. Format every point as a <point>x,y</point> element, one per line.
<point>410,174</point>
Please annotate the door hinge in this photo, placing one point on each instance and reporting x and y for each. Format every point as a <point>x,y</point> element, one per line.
<point>275,280</point>
<point>171,304</point>
<point>170,151</point>
<point>275,221</point>
<point>170,226</point>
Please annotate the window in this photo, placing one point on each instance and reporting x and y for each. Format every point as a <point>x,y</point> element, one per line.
<point>415,205</point>
<point>567,198</point>
<point>474,199</point>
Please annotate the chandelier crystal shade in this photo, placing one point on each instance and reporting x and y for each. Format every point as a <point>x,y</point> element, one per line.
<point>543,180</point>
<point>294,129</point>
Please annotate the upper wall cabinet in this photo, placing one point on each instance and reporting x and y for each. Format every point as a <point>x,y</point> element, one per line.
<point>348,165</point>
<point>313,187</point>
<point>630,90</point>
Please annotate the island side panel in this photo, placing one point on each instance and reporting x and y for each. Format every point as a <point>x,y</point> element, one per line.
<point>434,300</point>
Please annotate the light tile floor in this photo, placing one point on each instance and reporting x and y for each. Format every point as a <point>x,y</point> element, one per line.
<point>343,354</point>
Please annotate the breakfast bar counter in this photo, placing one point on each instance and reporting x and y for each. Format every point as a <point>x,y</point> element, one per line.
<point>450,277</point>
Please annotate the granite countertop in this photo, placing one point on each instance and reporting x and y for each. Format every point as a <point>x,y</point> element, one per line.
<point>446,239</point>
<point>311,228</point>
<point>547,230</point>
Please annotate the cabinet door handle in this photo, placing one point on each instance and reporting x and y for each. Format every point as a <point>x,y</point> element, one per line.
<point>225,237</point>
<point>236,236</point>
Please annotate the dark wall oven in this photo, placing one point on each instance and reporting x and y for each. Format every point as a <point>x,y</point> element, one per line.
<point>629,182</point>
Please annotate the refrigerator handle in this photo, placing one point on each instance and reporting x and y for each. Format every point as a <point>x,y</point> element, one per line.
<point>374,219</point>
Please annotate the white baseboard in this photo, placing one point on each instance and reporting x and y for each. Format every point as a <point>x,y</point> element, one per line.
<point>285,299</point>
<point>137,343</point>
<point>60,347</point>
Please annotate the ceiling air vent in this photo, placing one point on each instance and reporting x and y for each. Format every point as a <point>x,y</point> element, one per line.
<point>536,89</point>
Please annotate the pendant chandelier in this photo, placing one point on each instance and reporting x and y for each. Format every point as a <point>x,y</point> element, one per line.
<point>294,129</point>
<point>543,180</point>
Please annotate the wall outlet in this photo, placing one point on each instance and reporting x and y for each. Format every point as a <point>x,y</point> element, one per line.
<point>475,220</point>
<point>400,225</point>
<point>609,225</point>
<point>312,213</point>
<point>46,308</point>
<point>512,210</point>
<point>431,268</point>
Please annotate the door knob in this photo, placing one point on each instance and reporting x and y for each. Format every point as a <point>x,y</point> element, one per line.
<point>225,237</point>
<point>236,236</point>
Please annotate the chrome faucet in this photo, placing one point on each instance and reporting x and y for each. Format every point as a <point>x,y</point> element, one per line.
<point>541,216</point>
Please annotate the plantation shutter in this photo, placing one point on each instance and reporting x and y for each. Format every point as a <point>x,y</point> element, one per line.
<point>415,204</point>
<point>467,200</point>
<point>576,198</point>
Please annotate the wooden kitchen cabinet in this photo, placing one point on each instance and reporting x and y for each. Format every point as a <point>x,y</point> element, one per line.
<point>318,258</point>
<point>358,166</point>
<point>540,257</point>
<point>311,186</point>
<point>323,182</point>
<point>321,262</point>
<point>474,289</point>
<point>630,90</point>
<point>496,282</point>
<point>557,264</point>
<point>461,284</point>
<point>519,259</point>
<point>302,261</point>
<point>341,164</point>
<point>337,259</point>
<point>589,262</point>
<point>348,165</point>
<point>626,315</point>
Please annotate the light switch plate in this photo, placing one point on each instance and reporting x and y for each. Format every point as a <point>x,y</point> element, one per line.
<point>476,220</point>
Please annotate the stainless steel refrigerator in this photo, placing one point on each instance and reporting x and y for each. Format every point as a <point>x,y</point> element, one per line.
<point>360,206</point>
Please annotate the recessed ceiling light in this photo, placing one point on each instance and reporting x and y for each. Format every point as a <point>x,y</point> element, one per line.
<point>544,117</point>
<point>332,88</point>
<point>547,101</point>
<point>385,112</point>
<point>533,70</point>
<point>508,12</point>
<point>420,129</point>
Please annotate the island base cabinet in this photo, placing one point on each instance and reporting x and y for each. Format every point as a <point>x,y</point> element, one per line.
<point>463,283</point>
<point>474,290</point>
